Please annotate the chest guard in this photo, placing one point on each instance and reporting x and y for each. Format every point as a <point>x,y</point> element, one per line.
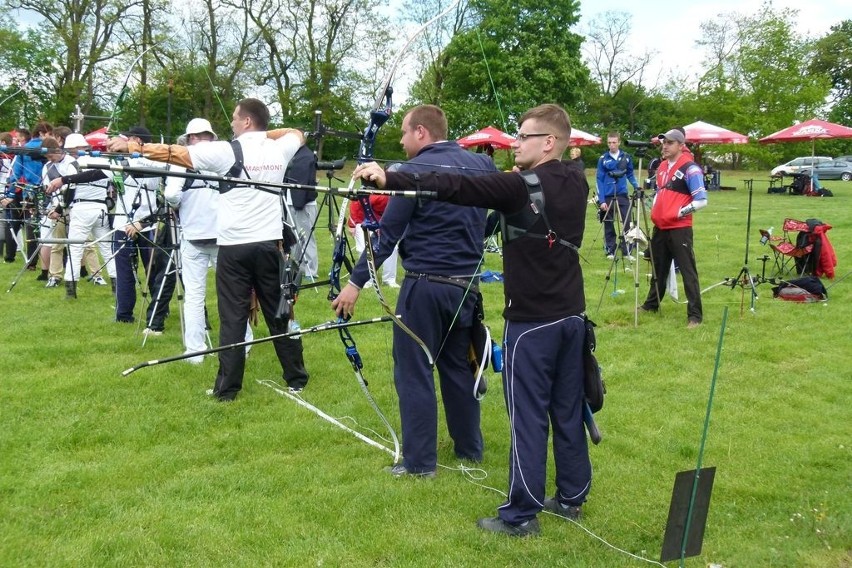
<point>519,224</point>
<point>677,182</point>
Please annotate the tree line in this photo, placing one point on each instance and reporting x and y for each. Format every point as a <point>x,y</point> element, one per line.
<point>484,63</point>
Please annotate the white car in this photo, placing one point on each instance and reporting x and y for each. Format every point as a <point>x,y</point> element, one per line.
<point>794,166</point>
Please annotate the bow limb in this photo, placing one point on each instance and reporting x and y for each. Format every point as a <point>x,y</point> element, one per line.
<point>123,91</point>
<point>378,117</point>
<point>357,365</point>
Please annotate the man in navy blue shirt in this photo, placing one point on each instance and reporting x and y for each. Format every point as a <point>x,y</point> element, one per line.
<point>615,169</point>
<point>441,249</point>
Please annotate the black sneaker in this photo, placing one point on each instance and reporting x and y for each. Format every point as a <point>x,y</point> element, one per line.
<point>498,525</point>
<point>399,470</point>
<point>572,512</point>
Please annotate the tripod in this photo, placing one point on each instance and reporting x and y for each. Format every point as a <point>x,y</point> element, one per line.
<point>630,237</point>
<point>744,279</point>
<point>166,277</point>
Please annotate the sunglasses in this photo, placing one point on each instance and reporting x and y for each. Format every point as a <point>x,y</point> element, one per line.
<point>523,135</point>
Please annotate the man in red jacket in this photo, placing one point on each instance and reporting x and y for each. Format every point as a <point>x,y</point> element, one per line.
<point>680,192</point>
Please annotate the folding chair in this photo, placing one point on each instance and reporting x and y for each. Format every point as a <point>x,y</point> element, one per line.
<point>792,255</point>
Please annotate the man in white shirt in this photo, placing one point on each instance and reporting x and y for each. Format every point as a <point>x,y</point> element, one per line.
<point>249,236</point>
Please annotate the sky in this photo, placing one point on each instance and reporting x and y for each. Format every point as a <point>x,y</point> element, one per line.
<point>655,20</point>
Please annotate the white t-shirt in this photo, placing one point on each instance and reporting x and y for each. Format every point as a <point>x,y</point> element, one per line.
<point>199,205</point>
<point>140,193</point>
<point>248,214</point>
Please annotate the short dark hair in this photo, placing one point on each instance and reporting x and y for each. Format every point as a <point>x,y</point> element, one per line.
<point>61,132</point>
<point>431,118</point>
<point>613,134</point>
<point>256,111</point>
<point>23,133</point>
<point>5,138</point>
<point>51,145</point>
<point>556,117</point>
<point>42,128</point>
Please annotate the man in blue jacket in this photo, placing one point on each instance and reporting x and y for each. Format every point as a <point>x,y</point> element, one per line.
<point>23,181</point>
<point>441,249</point>
<point>615,169</point>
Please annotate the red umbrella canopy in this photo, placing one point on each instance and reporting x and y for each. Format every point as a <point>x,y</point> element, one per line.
<point>701,132</point>
<point>809,130</point>
<point>97,139</point>
<point>581,138</point>
<point>488,136</point>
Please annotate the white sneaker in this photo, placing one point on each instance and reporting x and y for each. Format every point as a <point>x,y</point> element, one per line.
<point>148,331</point>
<point>209,392</point>
<point>98,281</point>
<point>196,360</point>
<point>630,257</point>
<point>391,284</point>
<point>610,256</point>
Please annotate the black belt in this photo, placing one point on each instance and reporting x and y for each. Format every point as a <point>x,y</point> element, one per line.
<point>101,201</point>
<point>466,283</point>
<point>202,242</point>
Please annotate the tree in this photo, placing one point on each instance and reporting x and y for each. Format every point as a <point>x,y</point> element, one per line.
<point>84,32</point>
<point>526,50</point>
<point>754,81</point>
<point>833,57</point>
<point>27,93</point>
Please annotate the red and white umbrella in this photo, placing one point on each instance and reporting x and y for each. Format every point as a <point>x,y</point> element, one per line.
<point>488,136</point>
<point>809,130</point>
<point>97,139</point>
<point>701,132</point>
<point>581,138</point>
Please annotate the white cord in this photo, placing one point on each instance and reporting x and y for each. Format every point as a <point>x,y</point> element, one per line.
<point>482,474</point>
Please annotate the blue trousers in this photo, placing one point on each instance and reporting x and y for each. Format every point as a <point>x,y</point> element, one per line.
<point>543,386</point>
<point>611,238</point>
<point>161,275</point>
<point>429,308</point>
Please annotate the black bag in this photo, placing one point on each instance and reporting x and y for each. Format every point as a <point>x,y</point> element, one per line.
<point>806,289</point>
<point>594,385</point>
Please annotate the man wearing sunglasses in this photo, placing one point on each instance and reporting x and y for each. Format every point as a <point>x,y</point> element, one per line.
<point>543,207</point>
<point>680,192</point>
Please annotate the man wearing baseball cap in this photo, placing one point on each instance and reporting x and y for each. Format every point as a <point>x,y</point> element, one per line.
<point>680,192</point>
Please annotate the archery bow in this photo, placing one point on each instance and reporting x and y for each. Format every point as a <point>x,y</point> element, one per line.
<point>123,91</point>
<point>379,115</point>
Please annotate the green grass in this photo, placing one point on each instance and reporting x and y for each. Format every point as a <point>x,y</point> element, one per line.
<point>103,470</point>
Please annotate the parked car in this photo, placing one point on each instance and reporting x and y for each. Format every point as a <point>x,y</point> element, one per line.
<point>844,158</point>
<point>794,166</point>
<point>836,169</point>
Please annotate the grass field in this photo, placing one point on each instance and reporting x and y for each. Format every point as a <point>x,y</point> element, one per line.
<point>103,470</point>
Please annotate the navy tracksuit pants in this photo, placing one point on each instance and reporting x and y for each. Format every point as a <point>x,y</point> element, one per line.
<point>543,386</point>
<point>428,308</point>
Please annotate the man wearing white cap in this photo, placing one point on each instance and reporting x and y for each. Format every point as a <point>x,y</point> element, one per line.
<point>680,192</point>
<point>197,203</point>
<point>86,196</point>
